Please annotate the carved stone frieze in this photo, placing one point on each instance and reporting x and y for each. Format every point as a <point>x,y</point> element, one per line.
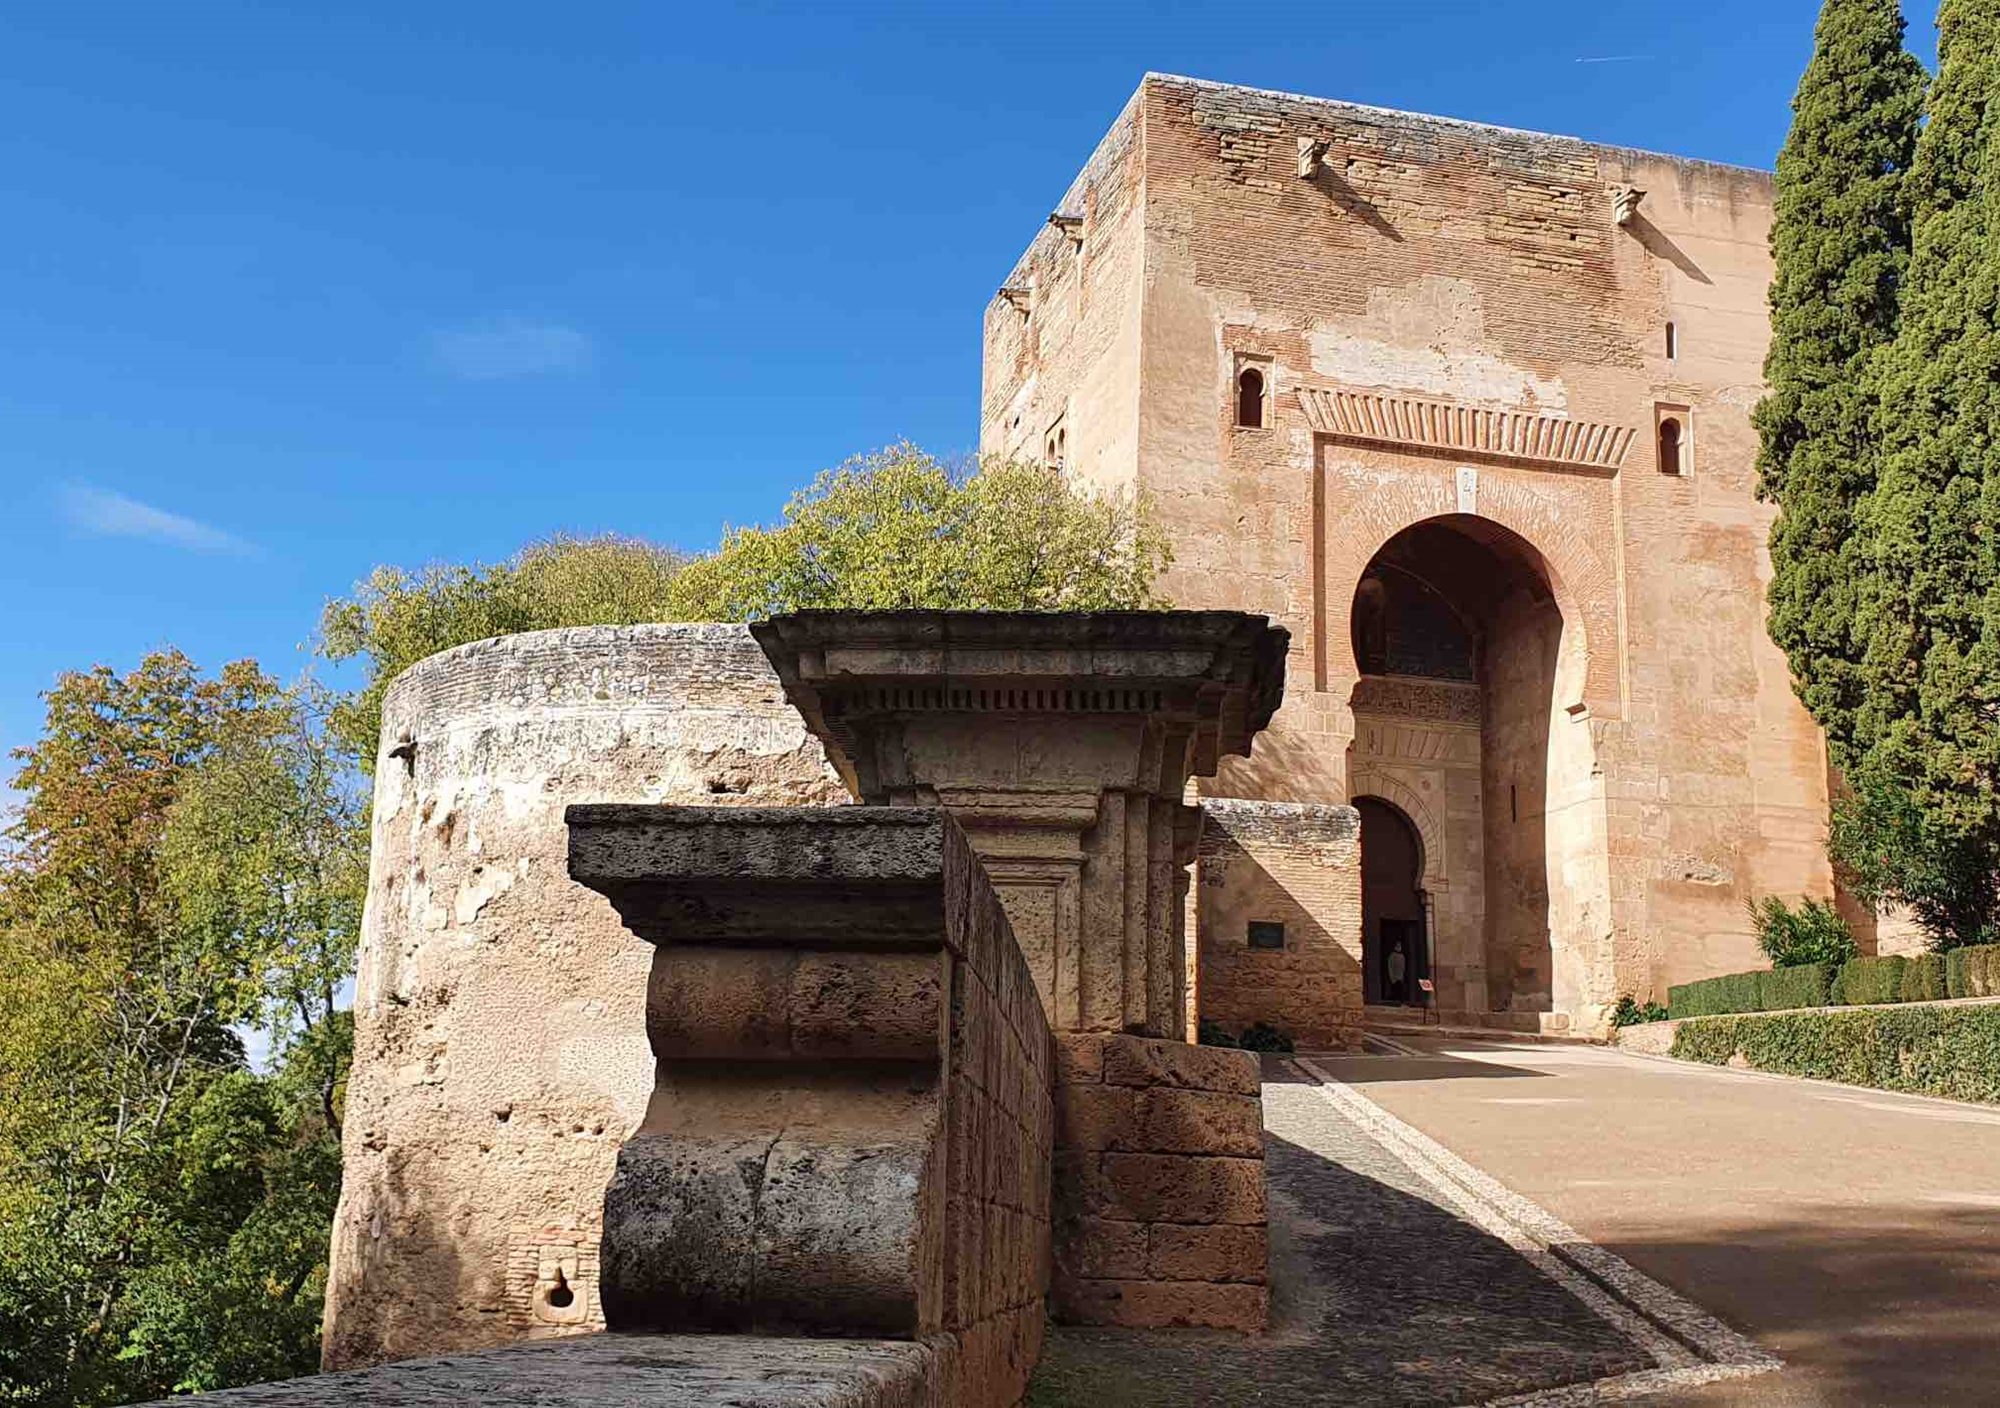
<point>1440,700</point>
<point>1382,418</point>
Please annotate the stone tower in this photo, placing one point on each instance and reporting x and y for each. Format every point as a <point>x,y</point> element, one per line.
<point>1467,410</point>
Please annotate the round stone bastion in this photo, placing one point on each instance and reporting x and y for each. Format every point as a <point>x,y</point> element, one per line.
<point>500,1054</point>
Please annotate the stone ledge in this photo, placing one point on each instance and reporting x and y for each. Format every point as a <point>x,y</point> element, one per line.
<point>627,1371</point>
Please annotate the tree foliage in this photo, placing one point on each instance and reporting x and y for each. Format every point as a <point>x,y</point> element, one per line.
<point>396,618</point>
<point>891,529</point>
<point>897,529</point>
<point>186,867</point>
<point>1929,722</point>
<point>1840,244</point>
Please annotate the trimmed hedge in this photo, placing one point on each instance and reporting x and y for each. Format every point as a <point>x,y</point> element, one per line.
<point>1865,981</point>
<point>1923,979</point>
<point>1973,972</point>
<point>1801,985</point>
<point>1769,990</point>
<point>1948,1051</point>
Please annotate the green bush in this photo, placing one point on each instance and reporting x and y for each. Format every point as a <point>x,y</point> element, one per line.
<point>1629,1013</point>
<point>1209,1033</point>
<point>1973,972</point>
<point>1802,985</point>
<point>1865,981</point>
<point>1949,1051</point>
<point>1812,933</point>
<point>1923,979</point>
<point>1261,1036</point>
<point>1732,992</point>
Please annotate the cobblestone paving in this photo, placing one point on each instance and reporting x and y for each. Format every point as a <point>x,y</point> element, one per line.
<point>1382,1293</point>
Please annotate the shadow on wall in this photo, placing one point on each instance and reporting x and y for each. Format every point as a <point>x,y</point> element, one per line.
<point>1265,952</point>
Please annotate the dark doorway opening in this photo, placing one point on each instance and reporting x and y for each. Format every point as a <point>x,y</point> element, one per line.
<point>1394,946</point>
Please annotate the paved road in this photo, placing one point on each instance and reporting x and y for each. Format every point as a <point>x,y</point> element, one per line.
<point>1854,1233</point>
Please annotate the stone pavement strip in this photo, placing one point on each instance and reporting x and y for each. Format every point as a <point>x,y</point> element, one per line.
<point>1402,1277</point>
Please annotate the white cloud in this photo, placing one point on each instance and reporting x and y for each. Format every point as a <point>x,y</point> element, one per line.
<point>510,347</point>
<point>107,514</point>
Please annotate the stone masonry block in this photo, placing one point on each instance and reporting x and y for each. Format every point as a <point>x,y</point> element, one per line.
<point>1181,1188</point>
<point>1093,1248</point>
<point>1159,1305</point>
<point>1079,1058</point>
<point>1098,1117</point>
<point>1131,1060</point>
<point>1215,1253</point>
<point>1199,1122</point>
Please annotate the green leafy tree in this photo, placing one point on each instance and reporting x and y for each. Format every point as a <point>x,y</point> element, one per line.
<point>892,529</point>
<point>897,529</point>
<point>184,867</point>
<point>1892,853</point>
<point>396,618</point>
<point>1928,724</point>
<point>1839,243</point>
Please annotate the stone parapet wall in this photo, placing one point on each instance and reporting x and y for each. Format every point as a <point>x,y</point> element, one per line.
<point>852,1121</point>
<point>1160,1205</point>
<point>1297,866</point>
<point>639,1371</point>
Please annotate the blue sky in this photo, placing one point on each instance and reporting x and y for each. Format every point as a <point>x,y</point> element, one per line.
<point>291,290</point>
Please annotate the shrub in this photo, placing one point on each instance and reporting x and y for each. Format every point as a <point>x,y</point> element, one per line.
<point>1812,933</point>
<point>1630,1014</point>
<point>1863,981</point>
<point>1949,1051</point>
<point>1732,992</point>
<point>1801,985</point>
<point>1213,1034</point>
<point>1973,972</point>
<point>1261,1036</point>
<point>1923,979</point>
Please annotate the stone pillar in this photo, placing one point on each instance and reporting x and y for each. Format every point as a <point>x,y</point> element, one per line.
<point>851,1123</point>
<point>1063,744</point>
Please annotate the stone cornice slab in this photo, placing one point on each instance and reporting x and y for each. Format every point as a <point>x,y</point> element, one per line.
<point>1384,419</point>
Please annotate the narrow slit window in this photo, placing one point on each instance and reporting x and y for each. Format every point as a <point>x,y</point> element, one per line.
<point>1673,342</point>
<point>1670,446</point>
<point>1250,399</point>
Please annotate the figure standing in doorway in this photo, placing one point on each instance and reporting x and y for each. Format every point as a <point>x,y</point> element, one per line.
<point>1395,963</point>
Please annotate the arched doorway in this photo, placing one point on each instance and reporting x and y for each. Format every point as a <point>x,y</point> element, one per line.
<point>1464,666</point>
<point>1395,949</point>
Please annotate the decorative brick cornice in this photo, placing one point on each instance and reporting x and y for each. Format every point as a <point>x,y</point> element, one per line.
<point>1381,418</point>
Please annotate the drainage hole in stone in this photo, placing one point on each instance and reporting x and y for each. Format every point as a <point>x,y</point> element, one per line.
<point>560,1296</point>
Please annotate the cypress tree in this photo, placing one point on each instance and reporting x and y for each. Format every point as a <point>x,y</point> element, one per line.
<point>1928,723</point>
<point>1839,244</point>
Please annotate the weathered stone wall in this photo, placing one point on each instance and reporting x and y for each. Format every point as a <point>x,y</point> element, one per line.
<point>1296,865</point>
<point>1160,1207</point>
<point>500,1052</point>
<point>851,1124</point>
<point>1446,272</point>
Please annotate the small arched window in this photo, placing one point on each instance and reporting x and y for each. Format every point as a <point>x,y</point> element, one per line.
<point>1670,446</point>
<point>1250,398</point>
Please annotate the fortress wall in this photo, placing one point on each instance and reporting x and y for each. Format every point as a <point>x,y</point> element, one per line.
<point>500,1050</point>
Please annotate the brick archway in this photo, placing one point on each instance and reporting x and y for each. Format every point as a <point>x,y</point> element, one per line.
<point>1580,580</point>
<point>1365,781</point>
